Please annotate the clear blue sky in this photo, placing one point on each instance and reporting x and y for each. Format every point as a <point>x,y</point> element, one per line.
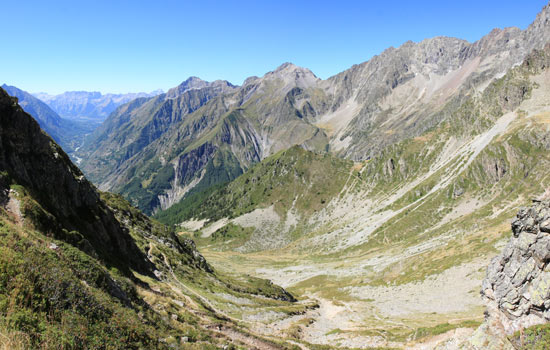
<point>130,46</point>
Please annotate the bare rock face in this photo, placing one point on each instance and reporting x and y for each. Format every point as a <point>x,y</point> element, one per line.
<point>194,83</point>
<point>516,288</point>
<point>517,285</point>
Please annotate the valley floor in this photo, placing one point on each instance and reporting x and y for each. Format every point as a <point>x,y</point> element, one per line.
<point>355,315</point>
<point>398,270</point>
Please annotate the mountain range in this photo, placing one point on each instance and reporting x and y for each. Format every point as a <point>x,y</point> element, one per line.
<point>155,151</point>
<point>70,117</point>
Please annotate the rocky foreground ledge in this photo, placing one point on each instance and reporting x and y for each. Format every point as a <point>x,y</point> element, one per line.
<point>516,288</point>
<point>517,285</point>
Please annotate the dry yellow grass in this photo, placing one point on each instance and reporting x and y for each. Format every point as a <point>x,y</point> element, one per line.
<point>329,129</point>
<point>357,166</point>
<point>10,340</point>
<point>542,118</point>
<point>425,137</point>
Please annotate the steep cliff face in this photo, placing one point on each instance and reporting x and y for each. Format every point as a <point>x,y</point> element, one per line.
<point>49,120</point>
<point>516,288</point>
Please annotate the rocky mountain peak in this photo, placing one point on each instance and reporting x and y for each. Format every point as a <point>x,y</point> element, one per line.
<point>292,76</point>
<point>517,285</point>
<point>538,32</point>
<point>543,17</point>
<point>193,80</point>
<point>250,80</point>
<point>427,51</point>
<point>440,51</point>
<point>511,45</point>
<point>289,68</point>
<point>188,84</point>
<point>374,79</point>
<point>196,83</point>
<point>286,66</point>
<point>280,81</point>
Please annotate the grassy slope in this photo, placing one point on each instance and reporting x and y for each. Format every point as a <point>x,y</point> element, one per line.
<point>53,295</point>
<point>294,178</point>
<point>64,298</point>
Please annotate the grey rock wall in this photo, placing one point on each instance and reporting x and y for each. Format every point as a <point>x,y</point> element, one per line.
<point>518,280</point>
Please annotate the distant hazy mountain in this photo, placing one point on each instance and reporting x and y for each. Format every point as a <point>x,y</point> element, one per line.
<point>89,105</point>
<point>68,133</point>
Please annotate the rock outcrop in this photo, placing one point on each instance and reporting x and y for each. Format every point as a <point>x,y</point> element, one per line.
<point>517,285</point>
<point>516,288</point>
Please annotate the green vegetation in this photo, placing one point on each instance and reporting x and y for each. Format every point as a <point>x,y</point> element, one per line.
<point>294,178</point>
<point>231,234</point>
<point>187,207</point>
<point>146,197</point>
<point>425,332</point>
<point>136,219</point>
<point>220,170</point>
<point>532,338</point>
<point>256,286</point>
<point>54,295</point>
<point>145,185</point>
<point>62,298</point>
